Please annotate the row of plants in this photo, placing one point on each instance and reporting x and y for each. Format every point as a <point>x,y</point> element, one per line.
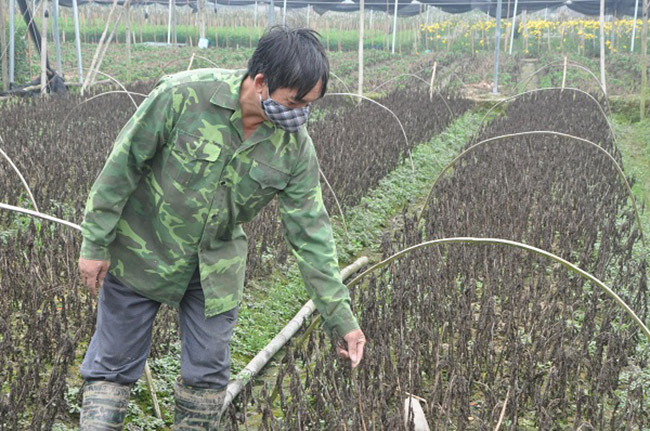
<point>488,336</point>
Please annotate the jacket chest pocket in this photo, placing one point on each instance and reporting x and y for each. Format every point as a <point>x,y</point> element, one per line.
<point>268,177</point>
<point>192,160</point>
<point>261,184</point>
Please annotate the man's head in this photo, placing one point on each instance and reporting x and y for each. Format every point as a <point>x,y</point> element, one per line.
<point>291,66</point>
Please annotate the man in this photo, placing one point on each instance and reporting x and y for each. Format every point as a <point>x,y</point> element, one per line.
<point>202,155</point>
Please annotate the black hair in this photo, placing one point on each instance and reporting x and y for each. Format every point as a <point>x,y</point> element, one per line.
<point>291,58</point>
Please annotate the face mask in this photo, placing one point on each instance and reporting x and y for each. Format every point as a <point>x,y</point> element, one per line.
<point>284,117</point>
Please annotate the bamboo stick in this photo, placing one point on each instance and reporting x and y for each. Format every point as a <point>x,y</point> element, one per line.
<point>93,72</point>
<point>474,240</point>
<point>265,355</point>
<point>98,50</point>
<point>542,132</point>
<point>433,78</point>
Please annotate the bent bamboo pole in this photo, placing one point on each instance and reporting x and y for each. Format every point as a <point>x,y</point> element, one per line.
<point>147,370</point>
<point>472,240</point>
<point>555,64</point>
<point>577,90</point>
<point>265,355</point>
<point>539,251</point>
<point>336,200</point>
<point>22,179</point>
<point>406,139</point>
<point>542,132</point>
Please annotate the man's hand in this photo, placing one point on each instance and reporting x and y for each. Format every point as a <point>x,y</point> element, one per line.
<point>93,273</point>
<point>352,347</point>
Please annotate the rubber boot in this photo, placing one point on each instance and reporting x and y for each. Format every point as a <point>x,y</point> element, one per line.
<point>104,406</point>
<point>197,409</point>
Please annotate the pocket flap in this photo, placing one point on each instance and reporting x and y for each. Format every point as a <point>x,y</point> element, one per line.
<point>268,176</point>
<point>196,147</point>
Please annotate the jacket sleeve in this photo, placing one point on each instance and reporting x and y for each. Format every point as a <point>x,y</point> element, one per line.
<point>309,233</point>
<point>146,131</point>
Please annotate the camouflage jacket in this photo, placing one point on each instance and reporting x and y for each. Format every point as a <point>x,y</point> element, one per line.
<point>179,183</point>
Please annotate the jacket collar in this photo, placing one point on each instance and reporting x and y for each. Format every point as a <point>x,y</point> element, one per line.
<point>227,92</point>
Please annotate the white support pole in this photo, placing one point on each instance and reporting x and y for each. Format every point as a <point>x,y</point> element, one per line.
<point>12,42</point>
<point>636,16</point>
<point>169,23</point>
<point>497,46</point>
<point>77,37</point>
<point>308,13</point>
<point>426,21</point>
<point>202,18</point>
<point>44,80</point>
<point>512,31</point>
<point>644,59</point>
<point>361,39</point>
<point>284,12</point>
<point>57,39</point>
<point>3,48</point>
<point>255,14</point>
<point>127,7</point>
<point>271,13</point>
<point>394,26</point>
<point>602,46</point>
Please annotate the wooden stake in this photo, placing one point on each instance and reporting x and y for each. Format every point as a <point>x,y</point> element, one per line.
<point>189,66</point>
<point>524,22</point>
<point>564,73</point>
<point>433,78</point>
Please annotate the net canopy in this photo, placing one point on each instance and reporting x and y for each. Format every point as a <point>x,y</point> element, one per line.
<point>411,7</point>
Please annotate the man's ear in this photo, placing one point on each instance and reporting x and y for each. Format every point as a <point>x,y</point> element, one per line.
<point>259,83</point>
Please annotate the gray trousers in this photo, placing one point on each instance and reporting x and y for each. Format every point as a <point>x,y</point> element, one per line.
<point>122,340</point>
